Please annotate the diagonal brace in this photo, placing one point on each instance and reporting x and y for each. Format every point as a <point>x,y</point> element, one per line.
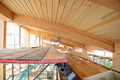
<point>41,72</point>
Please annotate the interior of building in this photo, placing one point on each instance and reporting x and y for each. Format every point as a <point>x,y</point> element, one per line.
<point>59,39</point>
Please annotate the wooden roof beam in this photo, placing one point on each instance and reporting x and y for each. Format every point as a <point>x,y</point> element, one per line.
<point>63,30</point>
<point>93,47</point>
<point>40,33</point>
<point>113,4</point>
<point>64,44</point>
<point>58,47</point>
<point>5,13</point>
<point>25,28</point>
<point>71,42</point>
<point>54,37</point>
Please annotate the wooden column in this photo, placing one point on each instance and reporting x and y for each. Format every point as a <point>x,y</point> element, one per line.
<point>84,52</point>
<point>27,39</point>
<point>73,49</point>
<point>41,40</point>
<point>35,41</point>
<point>2,34</point>
<point>19,36</point>
<point>116,56</point>
<point>50,41</point>
<point>2,45</point>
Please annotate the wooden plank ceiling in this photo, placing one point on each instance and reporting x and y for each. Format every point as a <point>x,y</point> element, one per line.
<point>79,14</point>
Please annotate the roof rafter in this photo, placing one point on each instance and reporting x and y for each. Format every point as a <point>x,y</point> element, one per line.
<point>5,13</point>
<point>54,37</point>
<point>63,30</point>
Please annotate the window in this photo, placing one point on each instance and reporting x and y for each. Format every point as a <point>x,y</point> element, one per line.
<point>12,35</point>
<point>31,40</point>
<point>22,37</point>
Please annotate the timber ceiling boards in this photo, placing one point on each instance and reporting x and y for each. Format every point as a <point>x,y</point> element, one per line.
<point>83,15</point>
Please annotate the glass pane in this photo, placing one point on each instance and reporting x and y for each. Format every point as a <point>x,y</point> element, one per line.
<point>12,35</point>
<point>16,36</point>
<point>22,37</point>
<point>31,40</point>
<point>38,41</point>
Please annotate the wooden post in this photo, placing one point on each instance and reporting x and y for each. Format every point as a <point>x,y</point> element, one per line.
<point>41,41</point>
<point>27,39</point>
<point>84,51</point>
<point>50,41</point>
<point>73,49</point>
<point>2,45</point>
<point>19,36</point>
<point>35,41</point>
<point>116,56</point>
<point>2,34</point>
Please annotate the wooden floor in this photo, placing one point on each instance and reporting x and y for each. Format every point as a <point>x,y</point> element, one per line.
<point>82,67</point>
